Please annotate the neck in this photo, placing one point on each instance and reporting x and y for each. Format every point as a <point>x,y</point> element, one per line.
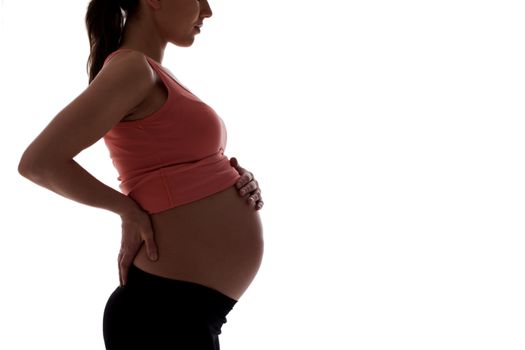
<point>142,36</point>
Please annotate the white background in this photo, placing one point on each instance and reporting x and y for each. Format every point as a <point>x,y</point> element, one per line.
<point>388,141</point>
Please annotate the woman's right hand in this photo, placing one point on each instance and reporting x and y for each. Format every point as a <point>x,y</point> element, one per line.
<point>136,229</point>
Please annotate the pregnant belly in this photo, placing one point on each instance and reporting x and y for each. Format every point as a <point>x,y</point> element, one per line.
<point>216,241</point>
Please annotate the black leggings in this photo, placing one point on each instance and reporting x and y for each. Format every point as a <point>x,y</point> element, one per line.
<point>157,313</point>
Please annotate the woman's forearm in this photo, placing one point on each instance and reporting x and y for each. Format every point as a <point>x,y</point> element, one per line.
<point>72,181</point>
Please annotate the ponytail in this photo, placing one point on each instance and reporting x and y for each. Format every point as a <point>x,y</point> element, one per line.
<point>104,23</point>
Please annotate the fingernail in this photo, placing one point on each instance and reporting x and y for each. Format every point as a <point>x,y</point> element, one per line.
<point>154,256</point>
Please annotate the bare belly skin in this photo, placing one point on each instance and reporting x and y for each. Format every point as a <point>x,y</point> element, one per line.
<point>216,241</point>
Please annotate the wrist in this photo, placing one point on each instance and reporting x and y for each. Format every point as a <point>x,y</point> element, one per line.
<point>127,207</point>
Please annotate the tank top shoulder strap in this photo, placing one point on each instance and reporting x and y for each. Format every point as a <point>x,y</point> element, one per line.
<point>111,55</point>
<point>165,74</point>
<point>114,53</point>
<point>155,65</point>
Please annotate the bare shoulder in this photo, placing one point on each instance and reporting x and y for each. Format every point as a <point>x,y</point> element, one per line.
<point>122,69</point>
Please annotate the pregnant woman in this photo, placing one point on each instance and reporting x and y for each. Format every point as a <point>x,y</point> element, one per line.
<point>192,238</point>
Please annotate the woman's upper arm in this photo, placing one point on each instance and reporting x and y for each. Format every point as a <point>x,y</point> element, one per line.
<point>120,86</point>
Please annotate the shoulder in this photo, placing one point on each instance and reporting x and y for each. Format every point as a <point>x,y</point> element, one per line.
<point>127,67</point>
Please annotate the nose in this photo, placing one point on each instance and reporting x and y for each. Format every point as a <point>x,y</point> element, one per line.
<point>205,9</point>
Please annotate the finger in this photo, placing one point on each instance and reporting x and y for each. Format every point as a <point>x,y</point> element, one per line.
<point>259,205</point>
<point>151,247</point>
<point>124,267</point>
<point>255,196</point>
<point>240,182</point>
<point>237,166</point>
<point>119,271</point>
<point>250,187</point>
<point>120,277</point>
<point>252,199</point>
<point>244,179</point>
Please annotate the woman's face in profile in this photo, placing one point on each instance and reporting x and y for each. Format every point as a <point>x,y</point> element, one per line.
<point>178,18</point>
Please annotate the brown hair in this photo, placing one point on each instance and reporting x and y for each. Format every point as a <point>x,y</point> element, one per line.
<point>105,21</point>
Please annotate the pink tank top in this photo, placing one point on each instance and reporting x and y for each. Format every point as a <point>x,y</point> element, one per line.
<point>175,155</point>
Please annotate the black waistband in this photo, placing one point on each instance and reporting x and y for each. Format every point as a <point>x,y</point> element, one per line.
<point>141,279</point>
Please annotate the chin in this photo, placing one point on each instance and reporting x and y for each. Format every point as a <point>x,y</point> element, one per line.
<point>183,43</point>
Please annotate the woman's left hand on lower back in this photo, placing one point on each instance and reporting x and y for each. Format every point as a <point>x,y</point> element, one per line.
<point>247,186</point>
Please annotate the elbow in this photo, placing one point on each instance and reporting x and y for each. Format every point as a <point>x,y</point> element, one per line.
<point>36,164</point>
<point>24,164</point>
<point>28,166</point>
<point>32,168</point>
<point>22,170</point>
